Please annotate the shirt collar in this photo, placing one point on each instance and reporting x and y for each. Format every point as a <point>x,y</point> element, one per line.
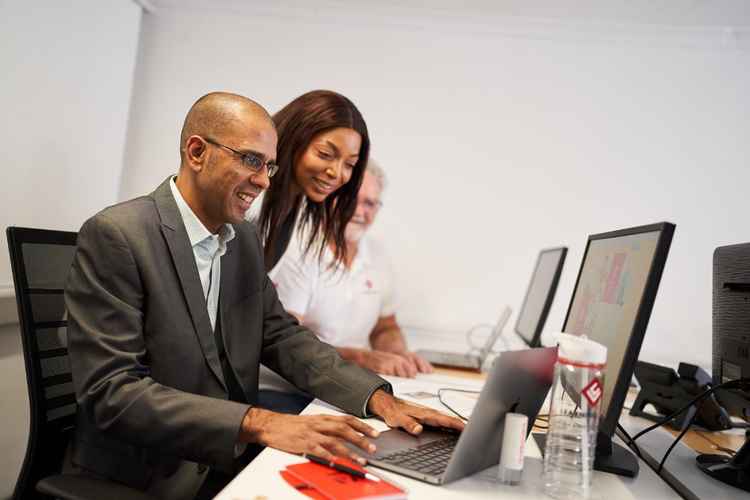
<point>363,252</point>
<point>196,231</point>
<point>363,258</point>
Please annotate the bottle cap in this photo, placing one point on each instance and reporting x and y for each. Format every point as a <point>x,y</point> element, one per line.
<point>579,349</point>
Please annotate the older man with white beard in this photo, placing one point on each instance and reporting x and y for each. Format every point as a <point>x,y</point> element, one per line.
<point>349,306</point>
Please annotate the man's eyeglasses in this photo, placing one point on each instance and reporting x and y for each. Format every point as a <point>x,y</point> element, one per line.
<point>370,205</point>
<point>249,160</point>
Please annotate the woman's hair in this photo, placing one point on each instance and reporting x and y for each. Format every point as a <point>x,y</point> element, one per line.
<point>297,123</point>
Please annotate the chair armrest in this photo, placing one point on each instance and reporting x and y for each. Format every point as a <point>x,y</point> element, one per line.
<point>70,487</point>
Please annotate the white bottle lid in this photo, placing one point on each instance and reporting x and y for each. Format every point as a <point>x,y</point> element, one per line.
<point>580,349</point>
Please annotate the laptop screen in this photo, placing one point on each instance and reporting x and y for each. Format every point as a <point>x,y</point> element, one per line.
<point>540,294</point>
<point>495,333</point>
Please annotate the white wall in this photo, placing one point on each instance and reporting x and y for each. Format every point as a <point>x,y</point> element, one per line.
<point>67,73</point>
<point>497,143</point>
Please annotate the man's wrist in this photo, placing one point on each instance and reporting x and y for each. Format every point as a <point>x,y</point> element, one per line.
<point>253,425</point>
<point>377,401</point>
<point>353,354</point>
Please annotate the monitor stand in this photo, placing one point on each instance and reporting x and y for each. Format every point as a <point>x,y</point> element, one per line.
<point>610,457</point>
<point>734,471</point>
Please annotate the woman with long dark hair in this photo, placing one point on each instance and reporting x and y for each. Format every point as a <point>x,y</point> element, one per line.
<point>322,153</point>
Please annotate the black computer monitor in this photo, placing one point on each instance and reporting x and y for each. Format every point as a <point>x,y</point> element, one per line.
<point>731,354</point>
<point>539,296</point>
<point>611,304</point>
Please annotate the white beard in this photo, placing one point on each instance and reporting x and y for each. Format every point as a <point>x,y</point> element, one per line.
<point>353,233</point>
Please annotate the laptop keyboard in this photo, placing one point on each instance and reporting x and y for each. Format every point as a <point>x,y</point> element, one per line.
<point>431,458</point>
<point>455,359</point>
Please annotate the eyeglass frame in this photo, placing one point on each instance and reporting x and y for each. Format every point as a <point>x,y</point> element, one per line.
<point>272,167</point>
<point>370,205</point>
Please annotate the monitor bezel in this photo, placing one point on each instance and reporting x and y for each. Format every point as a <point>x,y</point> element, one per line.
<point>536,336</point>
<point>666,230</point>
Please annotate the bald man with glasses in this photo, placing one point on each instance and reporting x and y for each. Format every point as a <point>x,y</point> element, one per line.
<point>170,314</point>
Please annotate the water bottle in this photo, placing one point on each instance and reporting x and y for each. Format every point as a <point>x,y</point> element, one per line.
<point>574,417</point>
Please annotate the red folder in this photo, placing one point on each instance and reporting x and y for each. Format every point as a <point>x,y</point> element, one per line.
<point>337,485</point>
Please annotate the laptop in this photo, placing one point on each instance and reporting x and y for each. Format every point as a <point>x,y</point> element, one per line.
<point>519,382</point>
<point>467,361</point>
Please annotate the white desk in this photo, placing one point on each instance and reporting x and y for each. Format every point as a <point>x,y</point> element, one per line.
<point>261,479</point>
<point>680,469</point>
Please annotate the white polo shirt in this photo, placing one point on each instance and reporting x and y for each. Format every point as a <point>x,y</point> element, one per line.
<point>340,306</point>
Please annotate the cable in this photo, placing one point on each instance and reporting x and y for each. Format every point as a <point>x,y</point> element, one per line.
<point>474,329</point>
<point>687,427</point>
<point>702,397</point>
<point>440,398</point>
<point>686,407</point>
<point>544,418</point>
<point>480,348</point>
<point>444,389</point>
<point>631,441</point>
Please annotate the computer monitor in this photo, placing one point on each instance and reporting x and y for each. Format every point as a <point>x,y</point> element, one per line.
<point>611,304</point>
<point>731,354</point>
<point>539,296</point>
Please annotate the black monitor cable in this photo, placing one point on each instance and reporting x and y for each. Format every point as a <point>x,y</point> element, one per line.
<point>446,389</point>
<point>543,418</point>
<point>631,441</point>
<point>729,384</point>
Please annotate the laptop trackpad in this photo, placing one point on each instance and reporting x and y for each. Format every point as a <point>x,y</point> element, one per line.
<point>394,440</point>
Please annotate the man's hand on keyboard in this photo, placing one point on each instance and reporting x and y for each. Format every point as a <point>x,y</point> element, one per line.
<point>399,413</point>
<point>319,435</point>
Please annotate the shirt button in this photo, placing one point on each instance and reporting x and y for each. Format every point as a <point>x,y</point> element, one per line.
<point>201,468</point>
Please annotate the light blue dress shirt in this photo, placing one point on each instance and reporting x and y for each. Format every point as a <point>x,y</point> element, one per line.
<point>207,250</point>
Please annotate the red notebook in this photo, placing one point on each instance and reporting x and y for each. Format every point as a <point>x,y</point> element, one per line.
<point>337,485</point>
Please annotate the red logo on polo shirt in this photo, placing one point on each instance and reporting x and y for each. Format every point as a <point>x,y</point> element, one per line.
<point>368,284</point>
<point>593,392</point>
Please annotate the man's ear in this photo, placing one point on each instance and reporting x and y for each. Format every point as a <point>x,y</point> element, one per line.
<point>196,152</point>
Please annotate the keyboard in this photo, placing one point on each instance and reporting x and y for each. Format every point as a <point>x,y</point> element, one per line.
<point>431,458</point>
<point>450,359</point>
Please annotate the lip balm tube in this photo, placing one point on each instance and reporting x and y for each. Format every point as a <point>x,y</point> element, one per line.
<point>511,455</point>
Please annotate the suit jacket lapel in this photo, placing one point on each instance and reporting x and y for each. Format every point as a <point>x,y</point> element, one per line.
<point>178,242</point>
<point>228,266</point>
<point>239,362</point>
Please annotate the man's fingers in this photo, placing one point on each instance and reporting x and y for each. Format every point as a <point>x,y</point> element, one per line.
<point>437,419</point>
<point>408,365</point>
<point>362,427</point>
<point>341,425</point>
<point>344,431</point>
<point>320,451</point>
<point>404,366</point>
<point>424,365</point>
<point>406,422</point>
<point>334,446</point>
<point>412,368</point>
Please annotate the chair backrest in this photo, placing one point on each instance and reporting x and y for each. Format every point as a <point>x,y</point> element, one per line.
<point>41,260</point>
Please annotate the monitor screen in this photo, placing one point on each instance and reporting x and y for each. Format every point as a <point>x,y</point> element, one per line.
<point>612,302</point>
<point>540,295</point>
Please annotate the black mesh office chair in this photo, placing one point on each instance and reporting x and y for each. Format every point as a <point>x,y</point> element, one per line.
<point>41,260</point>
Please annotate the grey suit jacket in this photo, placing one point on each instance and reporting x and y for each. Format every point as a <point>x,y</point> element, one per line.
<point>152,399</point>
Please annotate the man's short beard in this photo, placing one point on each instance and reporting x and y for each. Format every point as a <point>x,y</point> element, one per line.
<point>353,235</point>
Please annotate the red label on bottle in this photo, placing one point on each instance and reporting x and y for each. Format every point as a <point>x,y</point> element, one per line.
<point>593,392</point>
